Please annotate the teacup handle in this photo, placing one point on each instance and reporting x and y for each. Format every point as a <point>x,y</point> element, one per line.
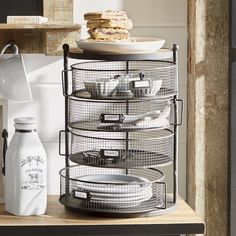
<point>13,45</point>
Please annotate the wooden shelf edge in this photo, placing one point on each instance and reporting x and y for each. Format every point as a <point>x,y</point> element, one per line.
<point>40,26</point>
<point>46,38</point>
<point>58,215</point>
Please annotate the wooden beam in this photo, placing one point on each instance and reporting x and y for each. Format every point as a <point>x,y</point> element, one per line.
<point>59,11</point>
<point>45,38</point>
<point>208,112</point>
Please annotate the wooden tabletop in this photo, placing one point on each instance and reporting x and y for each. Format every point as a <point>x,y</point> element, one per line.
<point>59,221</point>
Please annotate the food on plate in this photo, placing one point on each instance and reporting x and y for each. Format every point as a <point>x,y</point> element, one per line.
<point>108,25</point>
<point>109,14</point>
<point>109,34</point>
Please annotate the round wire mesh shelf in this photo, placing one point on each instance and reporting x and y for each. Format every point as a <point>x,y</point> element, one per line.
<point>124,79</point>
<point>122,150</point>
<point>120,116</point>
<point>113,191</point>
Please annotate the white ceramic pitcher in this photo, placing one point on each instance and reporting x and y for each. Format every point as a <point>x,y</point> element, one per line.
<point>14,83</point>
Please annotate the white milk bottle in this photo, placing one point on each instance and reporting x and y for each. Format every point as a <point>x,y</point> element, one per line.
<point>26,171</point>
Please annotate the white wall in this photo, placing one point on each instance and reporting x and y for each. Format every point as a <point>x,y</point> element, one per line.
<point>155,18</point>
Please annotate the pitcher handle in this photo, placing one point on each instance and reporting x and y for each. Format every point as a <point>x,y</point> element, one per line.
<point>4,136</point>
<point>12,45</point>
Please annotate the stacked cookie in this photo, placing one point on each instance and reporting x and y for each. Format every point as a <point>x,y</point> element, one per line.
<point>108,25</point>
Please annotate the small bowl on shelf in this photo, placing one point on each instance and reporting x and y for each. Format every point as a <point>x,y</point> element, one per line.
<point>155,87</point>
<point>101,88</point>
<point>145,87</point>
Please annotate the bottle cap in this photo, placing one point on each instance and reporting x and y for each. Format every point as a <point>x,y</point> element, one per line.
<point>25,123</point>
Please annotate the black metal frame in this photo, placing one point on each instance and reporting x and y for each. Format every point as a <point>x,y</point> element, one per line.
<point>127,58</point>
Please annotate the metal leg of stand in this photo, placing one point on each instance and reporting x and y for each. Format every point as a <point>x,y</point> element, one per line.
<point>66,49</point>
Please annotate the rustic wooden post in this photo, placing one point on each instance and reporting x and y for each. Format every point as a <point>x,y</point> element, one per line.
<point>58,11</point>
<point>208,112</point>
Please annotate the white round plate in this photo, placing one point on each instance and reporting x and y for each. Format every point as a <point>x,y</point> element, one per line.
<point>135,45</point>
<point>138,194</point>
<point>122,203</point>
<point>107,183</point>
<point>120,198</point>
<point>112,179</point>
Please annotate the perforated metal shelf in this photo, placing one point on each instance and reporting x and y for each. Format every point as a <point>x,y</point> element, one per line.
<point>137,197</point>
<point>85,77</point>
<point>119,150</point>
<point>86,114</point>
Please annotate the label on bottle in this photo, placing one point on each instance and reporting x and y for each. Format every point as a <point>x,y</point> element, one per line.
<point>33,173</point>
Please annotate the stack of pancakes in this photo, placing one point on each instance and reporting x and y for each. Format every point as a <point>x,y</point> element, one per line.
<point>108,25</point>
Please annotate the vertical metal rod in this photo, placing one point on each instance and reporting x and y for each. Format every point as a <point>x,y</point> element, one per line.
<point>175,163</point>
<point>66,49</point>
<point>127,112</point>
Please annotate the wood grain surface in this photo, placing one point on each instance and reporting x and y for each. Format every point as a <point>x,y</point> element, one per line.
<point>58,215</point>
<point>44,38</point>
<point>60,11</point>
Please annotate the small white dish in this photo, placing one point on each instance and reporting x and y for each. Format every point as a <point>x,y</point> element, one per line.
<point>135,45</point>
<point>101,88</point>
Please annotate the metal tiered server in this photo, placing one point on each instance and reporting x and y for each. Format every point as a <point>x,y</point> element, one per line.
<point>121,124</point>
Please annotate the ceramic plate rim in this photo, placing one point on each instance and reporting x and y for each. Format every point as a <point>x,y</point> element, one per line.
<point>148,40</point>
<point>141,45</point>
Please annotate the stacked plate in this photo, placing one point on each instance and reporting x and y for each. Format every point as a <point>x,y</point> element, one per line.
<point>113,190</point>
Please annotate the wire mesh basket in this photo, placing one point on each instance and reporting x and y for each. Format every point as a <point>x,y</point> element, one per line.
<point>124,79</point>
<point>110,190</point>
<point>120,116</point>
<point>122,150</point>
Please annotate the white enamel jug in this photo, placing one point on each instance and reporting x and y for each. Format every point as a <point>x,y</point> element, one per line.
<point>25,171</point>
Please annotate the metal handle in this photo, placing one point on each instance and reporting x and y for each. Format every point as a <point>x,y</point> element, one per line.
<point>165,192</point>
<point>60,133</point>
<point>65,93</point>
<point>4,136</point>
<point>180,122</point>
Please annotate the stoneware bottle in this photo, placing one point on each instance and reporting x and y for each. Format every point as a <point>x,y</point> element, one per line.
<point>26,171</point>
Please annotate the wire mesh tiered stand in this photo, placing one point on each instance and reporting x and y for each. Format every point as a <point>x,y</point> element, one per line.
<point>121,123</point>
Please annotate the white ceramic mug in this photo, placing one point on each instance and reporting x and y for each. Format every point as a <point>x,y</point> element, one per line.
<point>14,83</point>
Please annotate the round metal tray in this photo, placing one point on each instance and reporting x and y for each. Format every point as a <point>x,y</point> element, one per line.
<point>86,114</point>
<point>162,54</point>
<point>129,203</point>
<point>86,75</point>
<point>135,150</point>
